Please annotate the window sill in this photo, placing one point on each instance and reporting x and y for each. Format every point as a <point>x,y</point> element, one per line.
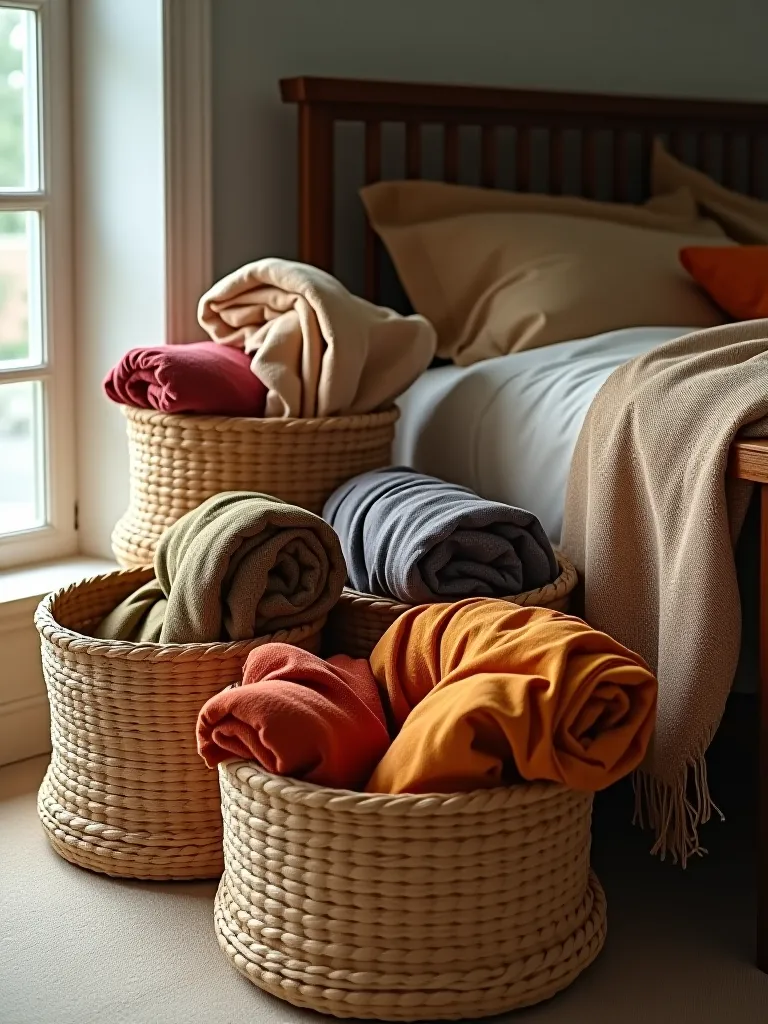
<point>21,589</point>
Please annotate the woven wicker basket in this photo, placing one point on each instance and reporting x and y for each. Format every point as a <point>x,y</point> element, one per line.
<point>176,462</point>
<point>357,623</point>
<point>406,907</point>
<point>126,792</point>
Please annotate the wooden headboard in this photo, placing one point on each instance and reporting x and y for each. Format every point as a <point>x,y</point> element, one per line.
<point>571,143</point>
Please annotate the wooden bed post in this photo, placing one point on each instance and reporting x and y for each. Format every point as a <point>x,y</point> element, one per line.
<point>316,161</point>
<point>762,782</point>
<point>316,166</point>
<point>749,461</point>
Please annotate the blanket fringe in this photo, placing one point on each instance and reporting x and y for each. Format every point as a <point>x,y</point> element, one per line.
<point>675,811</point>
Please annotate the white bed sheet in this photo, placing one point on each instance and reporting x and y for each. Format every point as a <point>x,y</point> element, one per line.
<point>507,427</point>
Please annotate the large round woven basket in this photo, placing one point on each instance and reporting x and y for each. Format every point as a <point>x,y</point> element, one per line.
<point>406,907</point>
<point>126,792</point>
<point>176,462</point>
<point>357,623</point>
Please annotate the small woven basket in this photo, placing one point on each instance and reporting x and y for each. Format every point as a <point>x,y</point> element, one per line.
<point>358,622</point>
<point>176,462</point>
<point>126,792</point>
<point>406,907</point>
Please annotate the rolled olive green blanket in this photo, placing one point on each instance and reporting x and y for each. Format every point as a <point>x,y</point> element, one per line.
<point>238,566</point>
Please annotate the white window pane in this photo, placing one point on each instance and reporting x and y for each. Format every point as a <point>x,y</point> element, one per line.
<point>22,499</point>
<point>20,305</point>
<point>18,99</point>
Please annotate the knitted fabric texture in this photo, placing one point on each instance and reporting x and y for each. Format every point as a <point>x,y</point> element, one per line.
<point>240,565</point>
<point>651,521</point>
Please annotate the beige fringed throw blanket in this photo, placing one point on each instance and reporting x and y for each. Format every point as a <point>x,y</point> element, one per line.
<point>320,350</point>
<point>651,521</point>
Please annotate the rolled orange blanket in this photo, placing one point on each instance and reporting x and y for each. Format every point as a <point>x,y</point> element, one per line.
<point>298,715</point>
<point>483,689</point>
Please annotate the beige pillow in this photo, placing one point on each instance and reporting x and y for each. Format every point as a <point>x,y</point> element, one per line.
<point>410,202</point>
<point>520,275</point>
<point>742,217</point>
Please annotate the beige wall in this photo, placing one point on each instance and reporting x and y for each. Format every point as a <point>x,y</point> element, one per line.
<point>699,48</point>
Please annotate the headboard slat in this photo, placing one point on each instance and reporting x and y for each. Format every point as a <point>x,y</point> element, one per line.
<point>589,180</point>
<point>556,162</point>
<point>489,157</point>
<point>677,144</point>
<point>372,152</point>
<point>372,174</point>
<point>316,166</point>
<point>731,160</point>
<point>621,185</point>
<point>647,136</point>
<point>756,166</point>
<point>412,150</point>
<point>696,151</point>
<point>451,153</point>
<point>523,161</point>
<point>712,149</point>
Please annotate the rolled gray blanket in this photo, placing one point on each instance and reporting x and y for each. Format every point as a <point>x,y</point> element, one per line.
<point>416,539</point>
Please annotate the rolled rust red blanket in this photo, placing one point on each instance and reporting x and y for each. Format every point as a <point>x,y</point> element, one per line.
<point>200,378</point>
<point>297,715</point>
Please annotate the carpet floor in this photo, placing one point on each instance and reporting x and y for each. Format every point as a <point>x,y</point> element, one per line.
<point>77,948</point>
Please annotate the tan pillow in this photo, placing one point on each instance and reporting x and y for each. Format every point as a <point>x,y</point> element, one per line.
<point>502,281</point>
<point>391,203</point>
<point>742,217</point>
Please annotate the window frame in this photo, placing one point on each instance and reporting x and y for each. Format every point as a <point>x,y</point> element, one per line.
<point>52,200</point>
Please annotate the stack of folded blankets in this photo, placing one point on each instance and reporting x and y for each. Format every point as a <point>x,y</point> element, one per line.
<point>287,340</point>
<point>456,697</point>
<point>243,565</point>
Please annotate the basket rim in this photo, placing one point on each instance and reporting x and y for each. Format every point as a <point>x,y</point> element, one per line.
<point>67,639</point>
<point>264,424</point>
<point>561,586</point>
<point>238,773</point>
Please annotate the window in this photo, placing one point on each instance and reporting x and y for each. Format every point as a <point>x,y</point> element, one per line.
<point>37,465</point>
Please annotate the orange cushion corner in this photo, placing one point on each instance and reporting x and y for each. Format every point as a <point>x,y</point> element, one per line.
<point>735,277</point>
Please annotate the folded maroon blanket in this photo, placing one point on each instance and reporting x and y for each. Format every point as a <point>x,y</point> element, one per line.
<point>202,377</point>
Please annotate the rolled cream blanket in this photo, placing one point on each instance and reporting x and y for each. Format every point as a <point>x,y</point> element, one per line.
<point>485,691</point>
<point>417,539</point>
<point>197,378</point>
<point>298,715</point>
<point>320,350</point>
<point>240,565</point>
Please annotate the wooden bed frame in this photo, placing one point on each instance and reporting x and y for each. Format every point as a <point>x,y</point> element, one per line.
<point>590,145</point>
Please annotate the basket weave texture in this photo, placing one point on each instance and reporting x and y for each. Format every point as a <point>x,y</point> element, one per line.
<point>406,907</point>
<point>176,462</point>
<point>358,622</point>
<point>126,792</point>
